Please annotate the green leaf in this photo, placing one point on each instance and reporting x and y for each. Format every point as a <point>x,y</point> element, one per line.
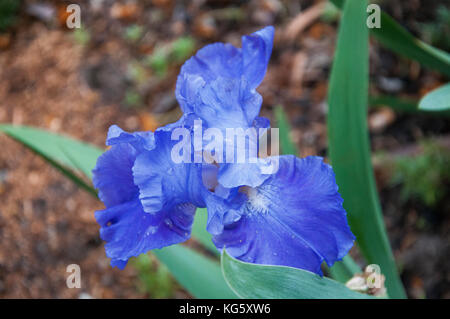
<point>403,105</point>
<point>286,143</point>
<point>280,282</point>
<point>201,276</point>
<point>63,150</point>
<point>199,230</point>
<point>67,155</point>
<point>395,37</point>
<point>437,100</point>
<point>397,104</point>
<point>349,147</point>
<point>182,48</point>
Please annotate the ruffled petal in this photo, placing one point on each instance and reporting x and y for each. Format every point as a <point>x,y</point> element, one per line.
<point>256,50</point>
<point>113,177</point>
<point>227,103</point>
<point>229,63</point>
<point>129,231</point>
<point>162,181</point>
<point>295,218</point>
<point>210,62</point>
<point>139,140</point>
<point>237,174</point>
<point>112,174</point>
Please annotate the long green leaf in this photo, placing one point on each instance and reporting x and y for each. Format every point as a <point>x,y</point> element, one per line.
<point>279,282</point>
<point>395,103</point>
<point>349,147</point>
<point>436,100</point>
<point>63,150</point>
<point>402,105</point>
<point>55,149</point>
<point>395,37</point>
<point>201,276</point>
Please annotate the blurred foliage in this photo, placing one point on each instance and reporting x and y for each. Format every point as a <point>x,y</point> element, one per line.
<point>425,176</point>
<point>175,52</point>
<point>437,32</point>
<point>330,13</point>
<point>8,13</point>
<point>133,33</point>
<point>159,61</point>
<point>182,48</point>
<point>81,36</point>
<point>154,278</point>
<point>137,73</point>
<point>229,14</point>
<point>132,98</point>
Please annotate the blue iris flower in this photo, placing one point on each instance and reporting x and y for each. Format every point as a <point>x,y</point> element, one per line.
<point>292,216</point>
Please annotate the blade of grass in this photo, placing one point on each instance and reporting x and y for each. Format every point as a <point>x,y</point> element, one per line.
<point>349,146</point>
<point>396,38</point>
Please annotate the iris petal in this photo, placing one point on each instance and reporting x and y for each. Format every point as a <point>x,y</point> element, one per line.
<point>139,140</point>
<point>111,176</point>
<point>229,63</point>
<point>129,231</point>
<point>227,103</point>
<point>256,50</point>
<point>162,181</point>
<point>295,218</point>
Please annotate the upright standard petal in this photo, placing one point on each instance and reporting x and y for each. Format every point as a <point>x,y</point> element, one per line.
<point>295,218</point>
<point>227,103</point>
<point>256,50</point>
<point>248,64</point>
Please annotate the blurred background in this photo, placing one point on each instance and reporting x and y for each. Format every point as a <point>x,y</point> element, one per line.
<point>121,67</point>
